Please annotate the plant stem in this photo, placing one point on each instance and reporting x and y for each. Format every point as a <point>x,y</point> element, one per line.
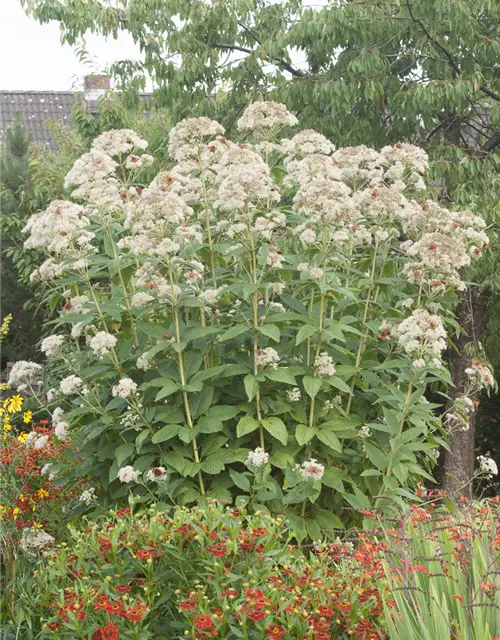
<point>399,433</point>
<point>180,363</point>
<point>362,340</point>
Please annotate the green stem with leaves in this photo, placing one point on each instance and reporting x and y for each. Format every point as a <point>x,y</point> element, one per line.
<point>180,363</point>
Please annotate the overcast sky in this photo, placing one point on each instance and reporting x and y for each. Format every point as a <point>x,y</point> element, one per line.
<point>32,56</point>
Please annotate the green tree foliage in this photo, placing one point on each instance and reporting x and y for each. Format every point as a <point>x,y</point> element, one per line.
<point>370,72</point>
<point>31,176</point>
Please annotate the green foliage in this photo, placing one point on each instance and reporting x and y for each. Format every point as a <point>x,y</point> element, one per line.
<point>31,176</point>
<point>238,574</point>
<point>230,343</point>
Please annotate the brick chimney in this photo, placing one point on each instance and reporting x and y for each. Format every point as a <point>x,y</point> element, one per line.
<point>96,86</point>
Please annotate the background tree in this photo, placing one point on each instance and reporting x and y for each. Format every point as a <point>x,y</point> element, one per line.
<point>31,176</point>
<point>367,72</point>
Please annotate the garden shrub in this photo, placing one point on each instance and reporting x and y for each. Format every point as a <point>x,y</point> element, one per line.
<point>260,323</point>
<point>215,572</point>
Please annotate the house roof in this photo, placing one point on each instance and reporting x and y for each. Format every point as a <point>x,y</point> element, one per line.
<point>36,107</point>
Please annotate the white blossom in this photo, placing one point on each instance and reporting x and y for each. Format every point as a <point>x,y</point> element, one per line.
<point>125,388</point>
<point>293,395</point>
<point>267,357</point>
<point>141,298</point>
<point>261,116</point>
<point>157,474</point>
<point>128,474</point>
<point>323,364</point>
<point>72,384</point>
<point>312,470</point>
<point>257,458</point>
<point>24,374</point>
<point>34,541</point>
<point>51,346</point>
<point>88,497</point>
<point>143,363</point>
<point>487,466</point>
<point>117,142</point>
<point>102,343</point>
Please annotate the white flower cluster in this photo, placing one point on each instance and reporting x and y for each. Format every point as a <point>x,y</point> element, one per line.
<point>35,440</point>
<point>293,395</point>
<point>306,143</point>
<point>46,471</point>
<point>52,345</point>
<point>88,497</point>
<point>210,297</point>
<point>364,432</point>
<point>157,474</point>
<point>422,336</point>
<point>125,388</point>
<point>72,384</point>
<point>60,229</point>
<point>118,142</point>
<point>458,418</point>
<point>188,137</point>
<point>60,426</point>
<point>128,474</point>
<point>312,470</point>
<point>487,466</point>
<point>267,357</point>
<point>102,343</point>
<point>90,170</point>
<point>324,365</point>
<point>480,374</point>
<point>78,304</point>
<point>260,117</point>
<point>257,458</point>
<point>34,541</point>
<point>24,374</point>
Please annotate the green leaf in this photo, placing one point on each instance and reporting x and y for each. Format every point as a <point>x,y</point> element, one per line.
<point>330,439</point>
<point>124,451</point>
<point>247,424</point>
<point>240,480</point>
<point>166,433</point>
<point>339,384</point>
<point>208,424</point>
<point>281,459</point>
<point>213,464</point>
<point>281,374</point>
<point>152,330</point>
<point>376,456</point>
<point>305,332</point>
<point>222,412</point>
<point>312,385</point>
<point>251,386</point>
<point>234,332</point>
<point>168,389</point>
<point>304,434</point>
<point>313,529</point>
<point>175,460</point>
<point>329,520</point>
<point>271,331</point>
<point>276,427</point>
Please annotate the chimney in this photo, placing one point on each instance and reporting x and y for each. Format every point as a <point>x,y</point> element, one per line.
<point>96,86</point>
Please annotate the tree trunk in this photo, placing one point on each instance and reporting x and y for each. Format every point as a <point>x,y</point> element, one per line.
<point>459,460</point>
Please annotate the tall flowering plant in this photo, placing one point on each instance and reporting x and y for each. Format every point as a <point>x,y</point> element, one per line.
<point>260,322</point>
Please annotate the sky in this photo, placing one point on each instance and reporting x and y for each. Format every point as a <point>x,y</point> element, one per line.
<point>33,58</point>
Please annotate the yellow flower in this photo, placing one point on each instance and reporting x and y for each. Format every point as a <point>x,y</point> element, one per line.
<point>7,426</point>
<point>38,525</point>
<point>14,404</point>
<point>15,512</point>
<point>27,417</point>
<point>3,386</point>
<point>42,493</point>
<point>22,437</point>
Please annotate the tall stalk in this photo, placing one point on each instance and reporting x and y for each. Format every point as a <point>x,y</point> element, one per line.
<point>180,363</point>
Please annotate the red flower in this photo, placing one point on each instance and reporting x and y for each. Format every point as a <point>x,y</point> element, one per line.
<point>185,605</point>
<point>325,611</point>
<point>54,626</point>
<point>109,632</point>
<point>274,631</point>
<point>218,550</point>
<point>122,512</point>
<point>145,554</point>
<point>116,608</point>
<point>101,602</point>
<point>203,622</point>
<point>104,544</point>
<point>135,614</point>
<point>123,588</point>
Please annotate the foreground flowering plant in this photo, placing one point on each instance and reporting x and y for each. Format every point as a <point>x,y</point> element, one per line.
<point>210,573</point>
<point>261,320</point>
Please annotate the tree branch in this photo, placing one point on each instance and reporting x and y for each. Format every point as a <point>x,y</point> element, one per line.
<point>486,90</point>
<point>298,73</point>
